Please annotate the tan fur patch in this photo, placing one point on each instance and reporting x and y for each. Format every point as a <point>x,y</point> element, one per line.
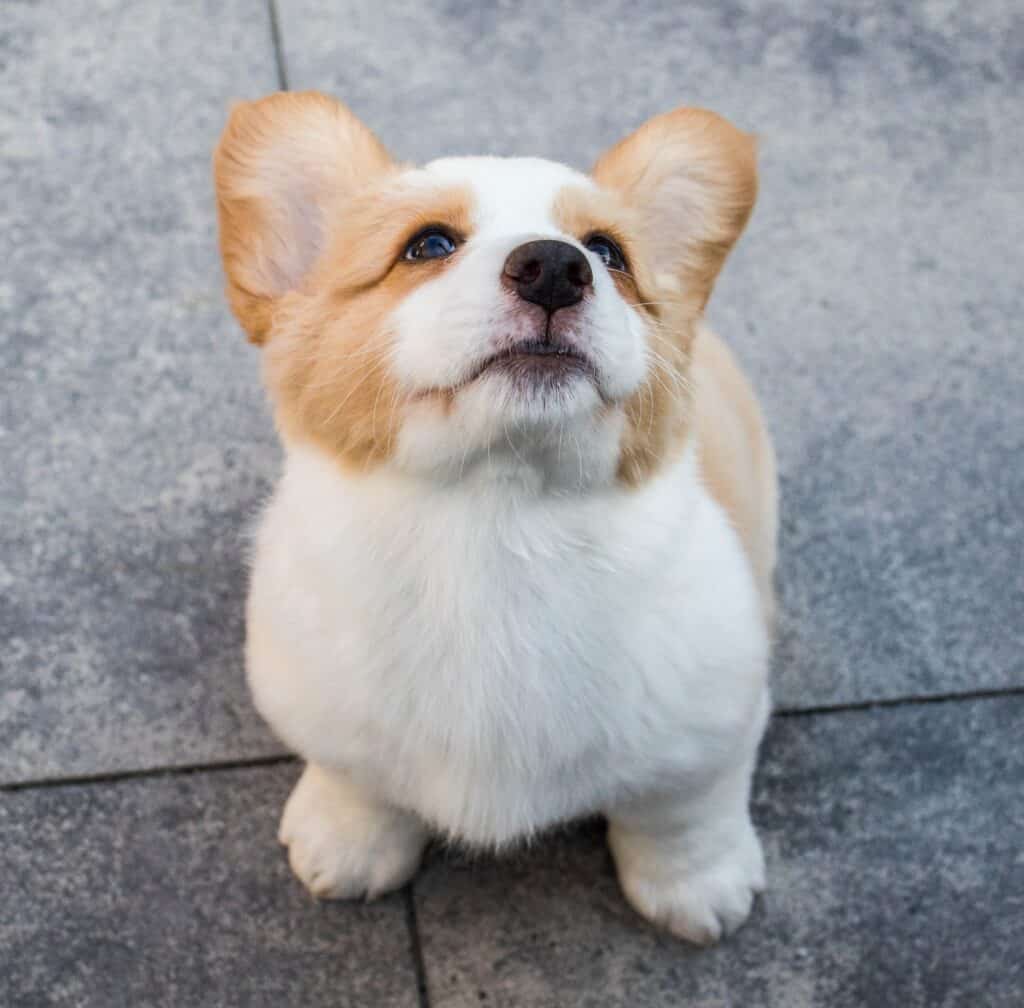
<point>737,462</point>
<point>328,363</point>
<point>676,194</point>
<point>657,415</point>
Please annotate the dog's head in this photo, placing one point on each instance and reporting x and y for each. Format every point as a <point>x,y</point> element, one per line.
<point>477,309</point>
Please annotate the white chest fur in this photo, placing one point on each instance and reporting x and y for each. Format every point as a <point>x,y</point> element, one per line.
<point>496,659</point>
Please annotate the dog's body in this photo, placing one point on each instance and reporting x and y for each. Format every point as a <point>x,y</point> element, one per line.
<point>519,566</point>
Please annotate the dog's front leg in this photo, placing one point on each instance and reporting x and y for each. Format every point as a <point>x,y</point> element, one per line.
<point>690,861</point>
<point>345,844</point>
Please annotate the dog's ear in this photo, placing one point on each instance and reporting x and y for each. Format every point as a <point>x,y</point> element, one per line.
<point>692,178</point>
<point>283,168</point>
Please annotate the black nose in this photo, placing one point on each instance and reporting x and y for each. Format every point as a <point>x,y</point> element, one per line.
<point>553,274</point>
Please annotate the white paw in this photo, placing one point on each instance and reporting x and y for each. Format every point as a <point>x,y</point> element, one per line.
<point>702,900</point>
<point>342,846</point>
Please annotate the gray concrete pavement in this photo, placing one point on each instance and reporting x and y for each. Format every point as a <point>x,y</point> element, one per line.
<point>876,301</point>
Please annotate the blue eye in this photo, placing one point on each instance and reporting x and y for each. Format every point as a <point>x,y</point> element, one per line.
<point>607,251</point>
<point>431,244</point>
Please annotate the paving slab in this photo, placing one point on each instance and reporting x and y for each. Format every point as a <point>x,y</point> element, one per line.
<point>876,299</point>
<point>172,891</point>
<point>896,880</point>
<point>134,443</point>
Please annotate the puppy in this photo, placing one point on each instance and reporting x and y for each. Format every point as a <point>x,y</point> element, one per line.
<point>519,566</point>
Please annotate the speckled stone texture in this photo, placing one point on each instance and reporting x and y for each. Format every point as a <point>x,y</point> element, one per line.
<point>895,881</point>
<point>134,443</point>
<point>172,893</point>
<point>876,299</point>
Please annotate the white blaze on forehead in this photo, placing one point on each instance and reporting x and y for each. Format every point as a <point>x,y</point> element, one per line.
<point>513,195</point>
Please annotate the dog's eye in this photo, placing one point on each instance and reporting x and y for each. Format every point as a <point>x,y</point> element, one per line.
<point>430,244</point>
<point>607,251</point>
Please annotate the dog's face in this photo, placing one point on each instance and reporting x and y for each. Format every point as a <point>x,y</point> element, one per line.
<point>477,308</point>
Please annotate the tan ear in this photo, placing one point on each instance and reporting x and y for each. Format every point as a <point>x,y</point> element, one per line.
<point>283,166</point>
<point>692,178</point>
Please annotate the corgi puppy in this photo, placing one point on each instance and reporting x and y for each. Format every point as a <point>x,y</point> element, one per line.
<point>518,568</point>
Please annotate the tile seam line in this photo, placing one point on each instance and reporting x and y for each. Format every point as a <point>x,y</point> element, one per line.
<point>277,41</point>
<point>285,759</point>
<point>416,947</point>
<point>909,700</point>
<point>169,770</point>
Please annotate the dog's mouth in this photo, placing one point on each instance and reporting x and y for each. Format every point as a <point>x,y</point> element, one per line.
<point>534,366</point>
<point>544,361</point>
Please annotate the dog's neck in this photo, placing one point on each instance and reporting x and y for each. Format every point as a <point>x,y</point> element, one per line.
<point>506,488</point>
<point>573,458</point>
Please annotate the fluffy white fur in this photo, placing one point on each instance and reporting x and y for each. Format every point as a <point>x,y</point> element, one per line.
<point>494,660</point>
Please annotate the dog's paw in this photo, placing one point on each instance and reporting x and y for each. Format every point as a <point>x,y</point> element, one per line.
<point>701,902</point>
<point>342,846</point>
